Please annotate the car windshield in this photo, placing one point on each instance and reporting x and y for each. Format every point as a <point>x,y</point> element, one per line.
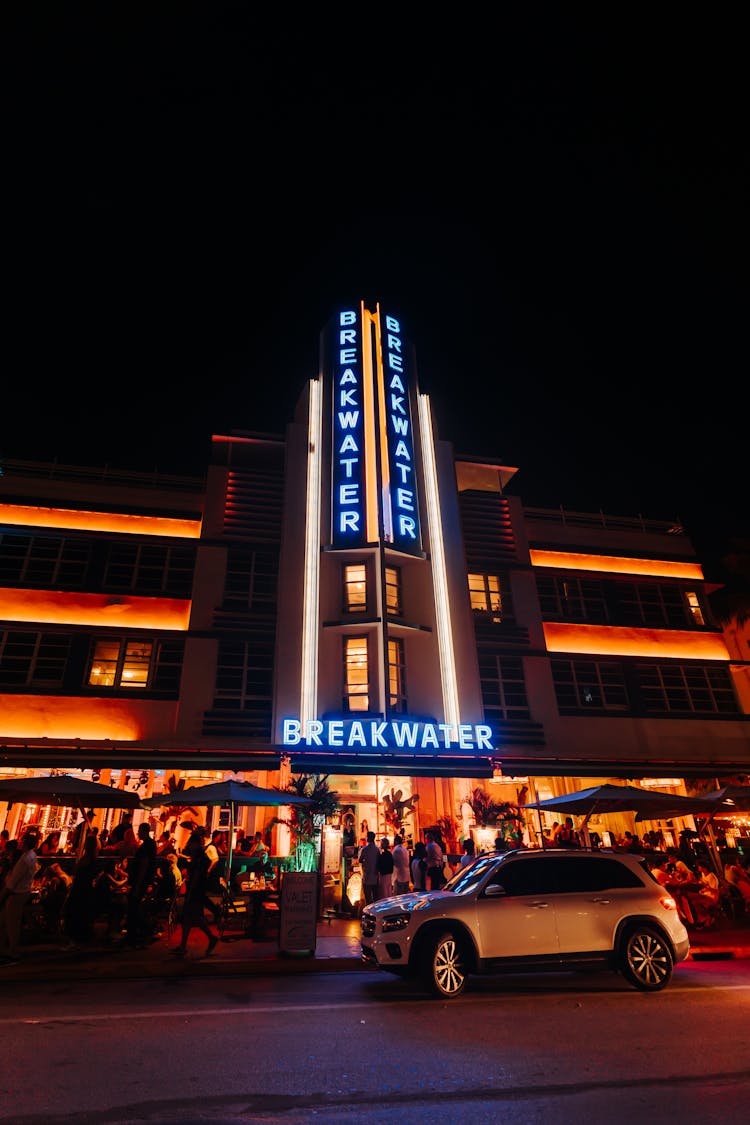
<point>467,878</point>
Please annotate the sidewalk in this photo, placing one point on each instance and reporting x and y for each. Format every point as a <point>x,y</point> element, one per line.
<point>337,950</point>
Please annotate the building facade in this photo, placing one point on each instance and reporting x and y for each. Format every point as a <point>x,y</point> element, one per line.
<point>354,599</point>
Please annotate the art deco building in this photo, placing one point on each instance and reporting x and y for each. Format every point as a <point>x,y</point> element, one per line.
<point>354,598</point>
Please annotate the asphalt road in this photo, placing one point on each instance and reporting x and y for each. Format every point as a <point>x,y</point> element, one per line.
<point>364,1047</point>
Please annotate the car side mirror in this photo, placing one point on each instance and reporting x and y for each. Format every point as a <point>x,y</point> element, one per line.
<point>495,890</point>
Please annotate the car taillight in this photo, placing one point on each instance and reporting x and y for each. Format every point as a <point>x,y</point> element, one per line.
<point>668,902</point>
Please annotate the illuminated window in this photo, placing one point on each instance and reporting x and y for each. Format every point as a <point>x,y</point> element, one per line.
<point>396,677</point>
<point>485,596</point>
<point>695,607</point>
<point>355,588</point>
<point>124,664</point>
<point>393,591</point>
<point>356,680</point>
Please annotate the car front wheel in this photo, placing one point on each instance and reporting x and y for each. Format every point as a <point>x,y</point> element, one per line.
<point>445,967</point>
<point>646,959</point>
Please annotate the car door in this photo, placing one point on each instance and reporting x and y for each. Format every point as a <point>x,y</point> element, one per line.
<point>521,921</point>
<point>594,893</point>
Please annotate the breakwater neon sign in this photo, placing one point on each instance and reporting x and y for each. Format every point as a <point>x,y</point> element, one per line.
<point>374,734</point>
<point>373,433</point>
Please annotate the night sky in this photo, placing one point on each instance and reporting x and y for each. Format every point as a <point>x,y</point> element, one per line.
<point>557,210</point>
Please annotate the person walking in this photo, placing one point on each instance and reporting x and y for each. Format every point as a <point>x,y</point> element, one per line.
<point>385,869</point>
<point>17,892</point>
<point>469,852</point>
<point>400,866</point>
<point>195,898</point>
<point>368,858</point>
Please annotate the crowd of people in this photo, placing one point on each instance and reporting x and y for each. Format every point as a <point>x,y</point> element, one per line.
<point>125,879</point>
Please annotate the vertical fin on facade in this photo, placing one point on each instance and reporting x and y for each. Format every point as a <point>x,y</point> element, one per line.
<point>309,685</point>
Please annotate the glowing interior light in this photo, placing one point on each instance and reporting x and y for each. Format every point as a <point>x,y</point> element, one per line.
<point>309,686</point>
<point>439,576</point>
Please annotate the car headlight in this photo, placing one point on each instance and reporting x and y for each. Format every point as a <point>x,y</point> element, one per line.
<point>395,922</point>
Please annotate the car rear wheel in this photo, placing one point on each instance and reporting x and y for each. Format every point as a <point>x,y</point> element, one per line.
<point>445,966</point>
<point>646,959</point>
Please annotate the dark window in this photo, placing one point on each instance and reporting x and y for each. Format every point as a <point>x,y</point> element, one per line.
<point>43,561</point>
<point>503,687</point>
<point>393,605</point>
<point>568,598</point>
<point>150,569</point>
<point>244,674</point>
<point>687,688</point>
<point>251,579</point>
<point>396,677</point>
<point>652,605</point>
<point>30,659</point>
<point>591,685</point>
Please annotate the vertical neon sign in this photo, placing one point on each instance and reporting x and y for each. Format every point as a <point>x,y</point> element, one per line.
<point>349,526</point>
<point>401,512</point>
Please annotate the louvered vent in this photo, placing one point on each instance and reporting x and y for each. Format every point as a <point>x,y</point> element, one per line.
<point>253,504</point>
<point>487,529</point>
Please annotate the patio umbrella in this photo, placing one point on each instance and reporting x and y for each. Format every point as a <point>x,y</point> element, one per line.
<point>648,803</point>
<point>231,793</point>
<point>66,791</point>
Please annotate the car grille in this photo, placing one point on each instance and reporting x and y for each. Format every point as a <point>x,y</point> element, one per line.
<point>368,925</point>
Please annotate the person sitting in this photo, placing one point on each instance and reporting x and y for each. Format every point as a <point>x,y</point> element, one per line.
<point>705,901</point>
<point>258,852</point>
<point>736,875</point>
<point>567,837</point>
<point>51,844</point>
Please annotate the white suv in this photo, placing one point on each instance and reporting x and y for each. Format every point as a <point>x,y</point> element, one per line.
<point>527,910</point>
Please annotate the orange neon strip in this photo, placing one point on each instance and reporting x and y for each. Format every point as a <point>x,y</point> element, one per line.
<point>657,568</point>
<point>606,640</point>
<point>26,516</point>
<point>371,475</point>
<point>52,607</point>
<point>64,717</point>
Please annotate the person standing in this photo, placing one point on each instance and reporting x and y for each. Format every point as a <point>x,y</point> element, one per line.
<point>435,862</point>
<point>368,858</point>
<point>385,869</point>
<point>419,867</point>
<point>141,877</point>
<point>17,890</point>
<point>469,852</point>
<point>400,866</point>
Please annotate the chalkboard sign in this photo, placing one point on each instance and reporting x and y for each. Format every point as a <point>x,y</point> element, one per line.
<point>298,931</point>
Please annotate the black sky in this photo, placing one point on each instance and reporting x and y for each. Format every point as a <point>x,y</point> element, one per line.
<point>557,210</point>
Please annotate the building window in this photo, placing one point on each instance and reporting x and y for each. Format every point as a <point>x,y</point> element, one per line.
<point>251,580</point>
<point>29,659</point>
<point>356,677</point>
<point>485,595</point>
<point>694,607</point>
<point>41,561</point>
<point>123,664</point>
<point>355,588</point>
<point>503,687</point>
<point>150,569</point>
<point>396,677</point>
<point>244,674</point>
<point>393,591</point>
<point>571,599</point>
<point>651,605</point>
<point>589,685</point>
<point>687,688</point>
